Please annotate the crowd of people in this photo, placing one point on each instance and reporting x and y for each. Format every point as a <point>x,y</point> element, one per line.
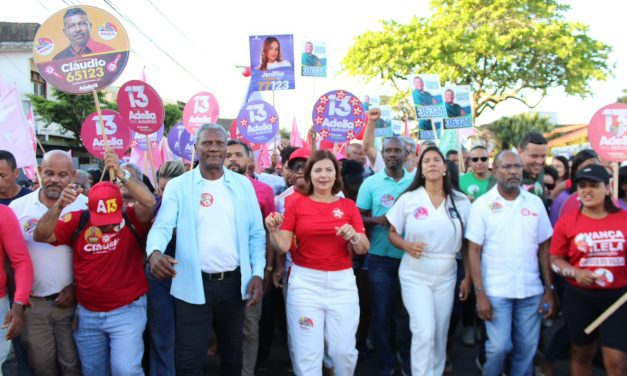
<point>385,250</point>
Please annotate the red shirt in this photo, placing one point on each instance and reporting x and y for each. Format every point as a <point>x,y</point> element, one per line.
<point>597,245</point>
<point>314,224</point>
<point>13,245</point>
<point>265,196</point>
<point>108,267</point>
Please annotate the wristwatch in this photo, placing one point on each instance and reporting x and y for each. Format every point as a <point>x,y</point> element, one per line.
<point>549,287</point>
<point>269,269</point>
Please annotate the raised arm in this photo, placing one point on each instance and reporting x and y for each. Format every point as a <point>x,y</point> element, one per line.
<point>44,232</point>
<point>374,114</point>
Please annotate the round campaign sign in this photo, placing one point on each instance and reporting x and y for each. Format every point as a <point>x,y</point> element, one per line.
<point>203,108</point>
<point>338,116</point>
<point>81,49</point>
<point>258,122</point>
<point>607,132</point>
<point>118,134</point>
<point>181,142</point>
<point>138,140</point>
<point>141,107</point>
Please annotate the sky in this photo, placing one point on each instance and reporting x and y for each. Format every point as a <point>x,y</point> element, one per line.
<point>210,39</point>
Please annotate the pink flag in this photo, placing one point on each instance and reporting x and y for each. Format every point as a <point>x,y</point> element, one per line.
<point>295,139</point>
<point>406,133</point>
<point>14,129</point>
<point>31,128</point>
<point>143,76</point>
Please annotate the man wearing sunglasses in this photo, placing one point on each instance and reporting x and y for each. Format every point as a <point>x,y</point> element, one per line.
<point>479,180</point>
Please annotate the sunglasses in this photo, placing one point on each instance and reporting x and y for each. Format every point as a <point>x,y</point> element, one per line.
<point>297,166</point>
<point>550,187</point>
<point>477,159</point>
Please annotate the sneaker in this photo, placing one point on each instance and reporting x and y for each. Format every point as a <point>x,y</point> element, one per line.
<point>468,336</point>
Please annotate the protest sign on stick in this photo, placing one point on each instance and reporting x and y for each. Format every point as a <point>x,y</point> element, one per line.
<point>338,116</point>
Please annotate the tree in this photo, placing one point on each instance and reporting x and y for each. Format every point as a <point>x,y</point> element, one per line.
<point>622,98</point>
<point>68,110</point>
<point>505,49</point>
<point>173,115</point>
<point>508,131</point>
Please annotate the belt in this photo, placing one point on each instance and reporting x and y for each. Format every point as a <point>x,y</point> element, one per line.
<point>49,297</point>
<point>220,276</point>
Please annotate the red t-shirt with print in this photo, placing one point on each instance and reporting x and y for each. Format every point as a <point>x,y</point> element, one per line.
<point>314,224</point>
<point>108,267</point>
<point>597,245</point>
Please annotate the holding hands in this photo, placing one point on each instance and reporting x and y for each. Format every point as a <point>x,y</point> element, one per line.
<point>273,221</point>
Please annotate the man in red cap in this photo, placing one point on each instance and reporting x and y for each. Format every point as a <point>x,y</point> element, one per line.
<point>107,244</point>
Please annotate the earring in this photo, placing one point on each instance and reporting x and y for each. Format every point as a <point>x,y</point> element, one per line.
<point>444,174</point>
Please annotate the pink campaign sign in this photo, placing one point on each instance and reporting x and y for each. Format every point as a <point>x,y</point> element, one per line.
<point>118,134</point>
<point>607,132</point>
<point>203,108</point>
<point>140,106</point>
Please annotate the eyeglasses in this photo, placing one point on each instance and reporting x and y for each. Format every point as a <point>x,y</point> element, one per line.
<point>509,166</point>
<point>296,166</point>
<point>477,159</point>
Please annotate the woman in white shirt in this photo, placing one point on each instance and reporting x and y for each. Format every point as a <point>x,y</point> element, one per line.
<point>427,222</point>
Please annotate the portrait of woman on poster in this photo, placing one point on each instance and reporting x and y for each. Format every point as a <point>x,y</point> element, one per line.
<point>271,57</point>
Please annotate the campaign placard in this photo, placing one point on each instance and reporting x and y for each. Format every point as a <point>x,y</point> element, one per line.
<point>141,107</point>
<point>338,116</point>
<point>138,140</point>
<point>607,132</point>
<point>258,122</point>
<point>313,60</point>
<point>272,62</point>
<point>201,109</point>
<point>81,49</point>
<point>383,126</point>
<point>181,142</point>
<point>457,101</point>
<point>118,134</point>
<point>425,130</point>
<point>426,93</point>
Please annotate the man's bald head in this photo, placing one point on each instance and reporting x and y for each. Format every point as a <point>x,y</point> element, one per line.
<point>506,154</point>
<point>57,171</point>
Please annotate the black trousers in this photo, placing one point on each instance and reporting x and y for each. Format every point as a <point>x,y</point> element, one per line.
<point>224,310</point>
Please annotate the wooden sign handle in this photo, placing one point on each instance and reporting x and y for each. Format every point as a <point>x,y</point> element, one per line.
<point>607,313</point>
<point>104,133</point>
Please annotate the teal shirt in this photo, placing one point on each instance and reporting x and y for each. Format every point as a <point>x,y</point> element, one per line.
<point>453,110</point>
<point>377,195</point>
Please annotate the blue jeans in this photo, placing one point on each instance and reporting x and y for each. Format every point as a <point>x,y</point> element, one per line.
<point>515,329</point>
<point>161,325</point>
<point>110,343</point>
<point>385,289</point>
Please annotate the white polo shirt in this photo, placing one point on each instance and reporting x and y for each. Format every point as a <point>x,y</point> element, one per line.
<point>216,236</point>
<point>509,233</point>
<point>52,265</point>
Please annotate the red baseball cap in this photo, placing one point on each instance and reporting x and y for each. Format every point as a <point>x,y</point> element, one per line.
<point>303,153</point>
<point>105,204</point>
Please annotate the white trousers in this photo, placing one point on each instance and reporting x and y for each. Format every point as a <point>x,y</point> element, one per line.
<point>427,287</point>
<point>322,308</point>
<point>5,345</point>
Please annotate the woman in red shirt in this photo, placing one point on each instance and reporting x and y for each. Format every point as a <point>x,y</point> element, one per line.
<point>322,300</point>
<point>588,249</point>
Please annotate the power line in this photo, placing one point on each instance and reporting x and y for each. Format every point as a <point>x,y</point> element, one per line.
<point>170,22</point>
<point>115,9</point>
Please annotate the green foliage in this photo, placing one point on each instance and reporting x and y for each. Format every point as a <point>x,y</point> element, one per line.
<point>508,131</point>
<point>173,115</point>
<point>623,98</point>
<point>68,110</point>
<point>503,48</point>
<point>285,133</point>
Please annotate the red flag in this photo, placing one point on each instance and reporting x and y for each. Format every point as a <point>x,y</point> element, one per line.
<point>295,139</point>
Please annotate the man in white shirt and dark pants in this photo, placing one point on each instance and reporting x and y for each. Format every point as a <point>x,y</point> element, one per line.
<point>47,334</point>
<point>508,232</point>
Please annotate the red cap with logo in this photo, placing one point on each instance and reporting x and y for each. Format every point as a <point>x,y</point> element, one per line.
<point>105,204</point>
<point>304,153</point>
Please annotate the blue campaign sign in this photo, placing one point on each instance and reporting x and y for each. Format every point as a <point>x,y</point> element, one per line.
<point>457,101</point>
<point>181,142</point>
<point>258,122</point>
<point>272,62</point>
<point>338,116</point>
<point>313,60</point>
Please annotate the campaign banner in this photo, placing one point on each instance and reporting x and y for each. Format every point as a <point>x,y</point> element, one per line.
<point>458,104</point>
<point>118,134</point>
<point>607,132</point>
<point>272,62</point>
<point>201,109</point>
<point>383,126</point>
<point>313,60</point>
<point>338,116</point>
<point>425,129</point>
<point>448,141</point>
<point>138,140</point>
<point>181,142</point>
<point>426,93</point>
<point>81,49</point>
<point>258,122</point>
<point>141,107</point>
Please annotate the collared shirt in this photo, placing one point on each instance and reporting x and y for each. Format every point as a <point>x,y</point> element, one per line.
<point>92,47</point>
<point>178,210</point>
<point>509,233</point>
<point>52,265</point>
<point>377,194</point>
<point>265,197</point>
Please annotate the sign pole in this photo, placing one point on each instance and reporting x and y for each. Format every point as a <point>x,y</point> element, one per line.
<point>151,160</point>
<point>462,161</point>
<point>103,131</point>
<point>435,133</point>
<point>615,180</point>
<point>191,165</point>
